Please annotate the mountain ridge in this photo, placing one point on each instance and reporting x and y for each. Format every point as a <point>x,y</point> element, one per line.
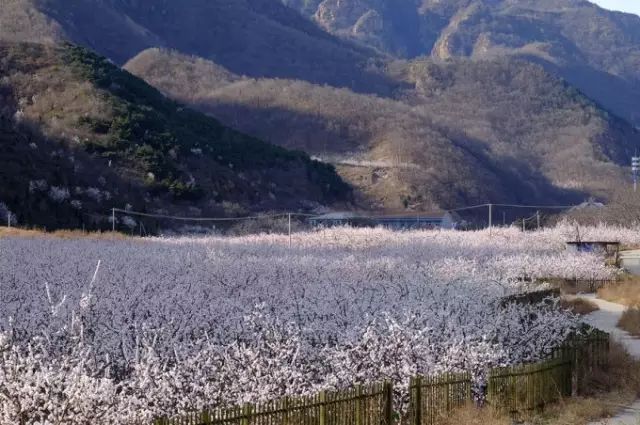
<point>423,128</point>
<point>244,32</point>
<point>106,131</point>
<point>574,39</point>
<point>418,104</point>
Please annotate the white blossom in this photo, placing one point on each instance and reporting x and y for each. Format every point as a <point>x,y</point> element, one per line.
<point>6,216</point>
<point>38,186</point>
<point>94,193</point>
<point>58,194</point>
<point>163,326</point>
<point>18,117</point>
<point>129,222</point>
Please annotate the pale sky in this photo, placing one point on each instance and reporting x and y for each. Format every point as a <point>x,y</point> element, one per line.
<point>631,6</point>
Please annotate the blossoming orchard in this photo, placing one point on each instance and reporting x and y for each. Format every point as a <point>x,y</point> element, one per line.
<point>125,331</point>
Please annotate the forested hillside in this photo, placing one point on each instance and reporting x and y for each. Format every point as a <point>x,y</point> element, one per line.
<point>596,50</point>
<point>419,104</point>
<point>254,37</point>
<point>459,133</point>
<point>80,136</point>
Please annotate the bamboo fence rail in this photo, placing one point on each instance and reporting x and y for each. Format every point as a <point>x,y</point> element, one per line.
<point>518,390</point>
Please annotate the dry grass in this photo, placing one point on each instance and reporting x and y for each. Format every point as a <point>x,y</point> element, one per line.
<point>576,411</point>
<point>609,391</point>
<point>59,234</point>
<point>472,415</point>
<point>627,292</point>
<point>622,375</point>
<point>578,305</point>
<point>567,286</point>
<point>630,321</point>
<point>629,247</point>
<point>583,410</point>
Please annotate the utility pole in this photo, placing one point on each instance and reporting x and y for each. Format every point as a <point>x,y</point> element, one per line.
<point>490,218</point>
<point>635,167</point>
<point>289,230</point>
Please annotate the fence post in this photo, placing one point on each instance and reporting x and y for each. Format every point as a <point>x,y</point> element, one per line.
<point>113,220</point>
<point>448,389</point>
<point>417,400</point>
<point>323,408</point>
<point>607,348</point>
<point>387,417</point>
<point>359,405</point>
<point>246,414</point>
<point>574,366</point>
<point>287,411</point>
<point>289,230</point>
<point>205,418</point>
<point>492,390</point>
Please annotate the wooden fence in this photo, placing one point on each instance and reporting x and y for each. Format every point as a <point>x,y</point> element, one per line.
<point>525,388</point>
<point>518,390</point>
<point>433,398</point>
<point>576,286</point>
<point>587,354</point>
<point>533,297</point>
<point>362,405</point>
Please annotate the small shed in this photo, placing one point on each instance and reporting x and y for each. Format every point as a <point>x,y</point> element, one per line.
<point>611,249</point>
<point>337,219</point>
<point>434,220</point>
<point>439,220</point>
<point>591,204</point>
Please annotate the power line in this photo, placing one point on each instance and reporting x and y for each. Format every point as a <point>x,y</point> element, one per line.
<point>474,207</point>
<point>540,207</point>
<point>201,219</point>
<point>257,217</point>
<point>113,212</point>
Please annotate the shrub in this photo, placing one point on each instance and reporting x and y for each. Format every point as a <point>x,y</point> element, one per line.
<point>630,321</point>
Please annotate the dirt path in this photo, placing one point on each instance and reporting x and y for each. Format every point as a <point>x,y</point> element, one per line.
<point>631,261</point>
<point>606,319</point>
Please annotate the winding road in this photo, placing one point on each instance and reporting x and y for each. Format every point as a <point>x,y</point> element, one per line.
<point>606,319</point>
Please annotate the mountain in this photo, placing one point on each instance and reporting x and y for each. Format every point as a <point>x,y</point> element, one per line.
<point>459,133</point>
<point>596,50</point>
<point>80,136</point>
<point>417,103</point>
<point>253,37</point>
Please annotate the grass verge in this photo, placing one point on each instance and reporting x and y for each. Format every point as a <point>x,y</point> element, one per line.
<point>630,321</point>
<point>627,292</point>
<point>472,415</point>
<point>578,306</point>
<point>609,391</point>
<point>6,232</point>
